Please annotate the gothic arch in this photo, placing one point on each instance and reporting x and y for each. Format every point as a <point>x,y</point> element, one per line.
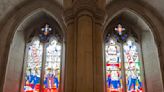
<point>13,27</point>
<point>141,9</point>
<point>144,19</point>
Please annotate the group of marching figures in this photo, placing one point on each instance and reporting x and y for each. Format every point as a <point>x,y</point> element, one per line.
<point>32,83</point>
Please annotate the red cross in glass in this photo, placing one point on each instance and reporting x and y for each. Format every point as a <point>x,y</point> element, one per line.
<point>119,29</point>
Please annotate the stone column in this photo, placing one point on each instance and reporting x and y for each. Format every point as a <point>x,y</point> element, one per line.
<point>84,54</point>
<point>70,59</point>
<point>83,33</point>
<point>99,77</point>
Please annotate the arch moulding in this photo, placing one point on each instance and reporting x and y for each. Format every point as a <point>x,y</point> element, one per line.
<point>14,19</point>
<point>146,13</point>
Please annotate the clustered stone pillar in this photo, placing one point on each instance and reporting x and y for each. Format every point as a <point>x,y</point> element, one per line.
<point>70,58</point>
<point>84,48</point>
<point>84,54</point>
<point>99,84</point>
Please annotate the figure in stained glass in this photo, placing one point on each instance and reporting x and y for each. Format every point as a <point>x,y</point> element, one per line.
<point>115,79</point>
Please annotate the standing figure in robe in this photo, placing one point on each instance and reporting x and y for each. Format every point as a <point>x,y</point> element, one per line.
<point>28,81</point>
<point>132,80</point>
<point>49,81</point>
<point>37,80</point>
<point>56,81</point>
<point>109,80</point>
<point>115,80</point>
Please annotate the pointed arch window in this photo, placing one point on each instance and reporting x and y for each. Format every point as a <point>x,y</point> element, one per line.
<point>43,61</point>
<point>123,61</point>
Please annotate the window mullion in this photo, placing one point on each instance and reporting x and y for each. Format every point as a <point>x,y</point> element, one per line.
<point>123,68</point>
<point>43,67</point>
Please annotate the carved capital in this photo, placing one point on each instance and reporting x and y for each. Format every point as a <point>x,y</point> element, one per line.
<point>80,6</point>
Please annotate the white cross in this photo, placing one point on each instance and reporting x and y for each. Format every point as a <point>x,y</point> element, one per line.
<point>119,29</point>
<point>46,29</point>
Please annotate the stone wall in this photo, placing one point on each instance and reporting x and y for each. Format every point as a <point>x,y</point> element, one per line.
<point>151,63</point>
<point>156,4</point>
<point>14,69</point>
<point>8,5</point>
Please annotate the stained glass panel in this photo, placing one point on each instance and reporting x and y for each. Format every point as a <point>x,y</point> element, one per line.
<point>52,67</point>
<point>113,67</point>
<point>45,33</point>
<point>34,64</point>
<point>132,65</point>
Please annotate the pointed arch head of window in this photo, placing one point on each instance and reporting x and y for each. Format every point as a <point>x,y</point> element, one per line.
<point>43,57</point>
<point>121,33</point>
<point>124,72</point>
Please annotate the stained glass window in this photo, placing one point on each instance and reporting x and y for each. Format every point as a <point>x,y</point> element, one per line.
<point>43,63</point>
<point>123,62</point>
